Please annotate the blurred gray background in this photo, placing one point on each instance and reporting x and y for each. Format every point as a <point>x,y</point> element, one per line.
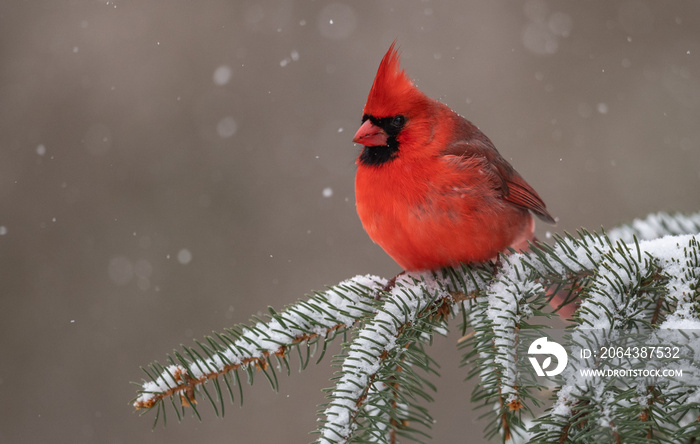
<point>169,168</point>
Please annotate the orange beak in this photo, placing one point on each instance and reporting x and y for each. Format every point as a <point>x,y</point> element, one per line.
<point>370,134</point>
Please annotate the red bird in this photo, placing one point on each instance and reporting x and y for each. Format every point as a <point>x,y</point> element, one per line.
<point>431,189</point>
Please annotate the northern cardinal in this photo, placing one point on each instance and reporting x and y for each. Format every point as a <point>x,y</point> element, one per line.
<point>431,189</point>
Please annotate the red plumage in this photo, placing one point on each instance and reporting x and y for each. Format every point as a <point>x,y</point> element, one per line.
<point>431,189</point>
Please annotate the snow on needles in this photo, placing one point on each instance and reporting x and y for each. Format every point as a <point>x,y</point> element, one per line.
<point>616,302</point>
<point>655,226</point>
<point>507,302</point>
<point>340,305</point>
<point>409,297</point>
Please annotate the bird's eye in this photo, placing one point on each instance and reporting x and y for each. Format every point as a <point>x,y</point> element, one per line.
<point>398,121</point>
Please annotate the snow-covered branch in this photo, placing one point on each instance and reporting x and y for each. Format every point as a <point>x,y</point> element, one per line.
<point>381,357</point>
<point>322,316</point>
<point>622,288</point>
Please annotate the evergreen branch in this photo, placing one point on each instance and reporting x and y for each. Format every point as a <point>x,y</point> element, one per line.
<point>377,371</point>
<point>655,226</point>
<point>251,347</point>
<point>636,287</point>
<point>500,320</point>
<point>622,286</point>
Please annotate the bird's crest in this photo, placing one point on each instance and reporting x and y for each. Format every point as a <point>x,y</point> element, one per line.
<point>392,90</point>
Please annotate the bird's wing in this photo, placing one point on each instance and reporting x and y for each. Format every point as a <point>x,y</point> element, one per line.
<point>513,187</point>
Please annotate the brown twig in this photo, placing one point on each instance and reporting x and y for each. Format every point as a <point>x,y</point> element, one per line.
<point>187,384</point>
